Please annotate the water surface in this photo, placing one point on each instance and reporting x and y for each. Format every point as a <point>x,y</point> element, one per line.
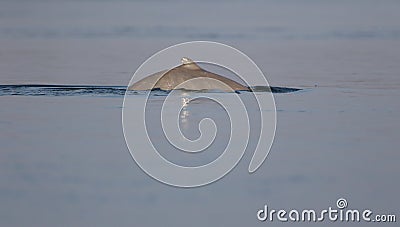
<point>63,158</point>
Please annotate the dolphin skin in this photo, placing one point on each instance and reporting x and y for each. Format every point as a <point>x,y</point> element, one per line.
<point>181,77</point>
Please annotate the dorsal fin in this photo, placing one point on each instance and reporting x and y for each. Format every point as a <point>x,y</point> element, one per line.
<point>189,63</point>
<point>186,60</point>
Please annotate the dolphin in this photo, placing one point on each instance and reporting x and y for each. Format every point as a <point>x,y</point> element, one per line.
<point>181,77</point>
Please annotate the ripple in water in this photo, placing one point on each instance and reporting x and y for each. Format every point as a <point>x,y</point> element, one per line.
<point>93,90</point>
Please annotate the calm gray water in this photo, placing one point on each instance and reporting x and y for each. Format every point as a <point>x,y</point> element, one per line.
<point>63,159</point>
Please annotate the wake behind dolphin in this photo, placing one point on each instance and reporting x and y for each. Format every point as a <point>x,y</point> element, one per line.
<point>60,90</point>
